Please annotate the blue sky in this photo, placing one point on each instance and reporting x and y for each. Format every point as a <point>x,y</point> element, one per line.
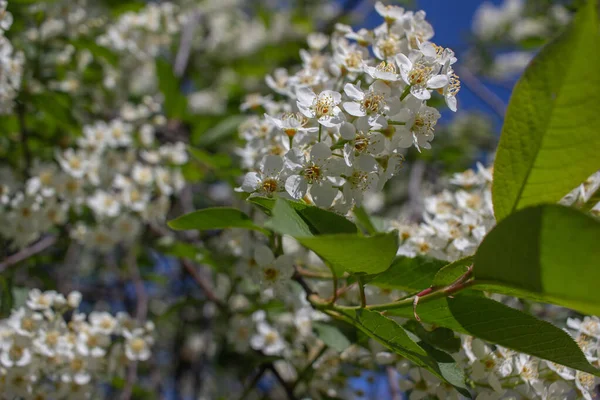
<point>451,20</point>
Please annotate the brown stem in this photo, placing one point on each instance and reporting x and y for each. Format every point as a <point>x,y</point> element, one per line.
<point>288,389</point>
<point>483,92</point>
<point>27,252</point>
<point>141,311</point>
<point>395,392</point>
<point>201,282</point>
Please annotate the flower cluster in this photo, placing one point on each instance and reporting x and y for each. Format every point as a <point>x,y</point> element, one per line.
<point>116,170</point>
<point>11,64</point>
<point>346,117</point>
<point>143,34</point>
<point>50,350</point>
<point>454,222</point>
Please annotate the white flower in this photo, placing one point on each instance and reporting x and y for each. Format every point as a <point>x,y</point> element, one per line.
<point>362,178</point>
<point>272,272</point>
<point>137,346</point>
<point>590,326</point>
<point>418,129</point>
<point>40,301</point>
<point>586,383</point>
<point>323,107</point>
<point>372,103</point>
<point>74,299</point>
<point>142,174</point>
<point>361,140</point>
<point>104,204</point>
<point>269,181</point>
<point>15,353</point>
<point>421,75</point>
<point>391,14</point>
<point>75,163</point>
<point>103,322</point>
<point>314,171</point>
<point>267,340</point>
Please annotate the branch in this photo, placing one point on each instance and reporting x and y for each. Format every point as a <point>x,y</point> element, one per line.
<point>304,373</point>
<point>483,92</point>
<point>141,312</point>
<point>201,282</point>
<point>254,381</point>
<point>185,45</point>
<point>27,252</point>
<point>288,389</point>
<point>395,392</point>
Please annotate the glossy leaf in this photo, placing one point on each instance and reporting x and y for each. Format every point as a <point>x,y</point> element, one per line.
<point>331,336</point>
<point>550,141</point>
<point>214,218</point>
<point>318,220</point>
<point>547,253</point>
<point>353,253</point>
<point>451,272</point>
<point>476,315</point>
<point>410,274</point>
<point>397,339</point>
<point>286,221</point>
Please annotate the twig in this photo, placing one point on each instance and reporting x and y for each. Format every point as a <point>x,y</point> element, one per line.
<point>302,375</point>
<point>395,392</point>
<point>361,289</point>
<point>141,311</point>
<point>185,45</point>
<point>131,378</point>
<point>27,252</point>
<point>253,383</point>
<point>341,291</point>
<point>201,282</point>
<point>300,279</point>
<point>480,90</point>
<point>288,389</point>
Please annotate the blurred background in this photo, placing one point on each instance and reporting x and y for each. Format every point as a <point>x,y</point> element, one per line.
<point>206,64</point>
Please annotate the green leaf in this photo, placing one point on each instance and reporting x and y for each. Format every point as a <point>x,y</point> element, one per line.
<point>286,221</point>
<point>319,221</point>
<point>353,253</point>
<point>213,161</point>
<point>394,337</point>
<point>364,220</point>
<point>550,141</point>
<point>545,253</point>
<point>410,274</point>
<point>441,338</point>
<point>476,315</point>
<point>331,336</point>
<point>214,218</point>
<point>97,51</point>
<point>451,272</point>
<point>221,131</point>
<point>175,102</point>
